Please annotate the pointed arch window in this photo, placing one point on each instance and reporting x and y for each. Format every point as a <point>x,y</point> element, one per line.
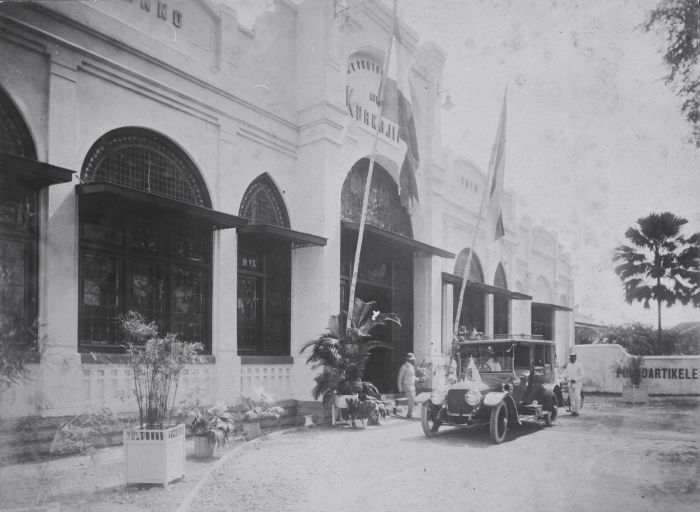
<point>501,303</point>
<point>143,256</point>
<point>476,273</point>
<point>264,275</point>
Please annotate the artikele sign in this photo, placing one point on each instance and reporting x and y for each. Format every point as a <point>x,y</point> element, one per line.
<point>361,95</point>
<point>663,373</point>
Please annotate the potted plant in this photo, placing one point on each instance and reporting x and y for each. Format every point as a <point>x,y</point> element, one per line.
<point>252,411</point>
<point>631,370</point>
<point>367,408</point>
<point>155,452</point>
<point>210,428</point>
<point>341,355</point>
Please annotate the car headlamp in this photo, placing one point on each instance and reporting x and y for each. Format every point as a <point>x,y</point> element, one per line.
<point>473,397</point>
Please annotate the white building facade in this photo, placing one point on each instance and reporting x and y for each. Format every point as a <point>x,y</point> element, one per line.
<point>158,156</point>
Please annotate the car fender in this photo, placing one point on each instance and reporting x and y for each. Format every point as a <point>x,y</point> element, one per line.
<point>494,398</point>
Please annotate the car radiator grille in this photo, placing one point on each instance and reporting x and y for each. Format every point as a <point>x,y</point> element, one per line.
<point>456,404</point>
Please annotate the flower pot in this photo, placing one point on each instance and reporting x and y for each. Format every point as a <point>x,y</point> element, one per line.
<point>251,430</point>
<point>154,456</point>
<point>635,394</point>
<point>203,448</point>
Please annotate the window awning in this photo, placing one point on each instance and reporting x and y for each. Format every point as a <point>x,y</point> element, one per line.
<point>36,174</point>
<point>419,248</point>
<point>101,193</point>
<point>456,280</point>
<point>555,307</point>
<point>298,239</point>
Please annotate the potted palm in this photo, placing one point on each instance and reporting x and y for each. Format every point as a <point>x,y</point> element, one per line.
<point>210,428</point>
<point>341,355</point>
<point>154,452</point>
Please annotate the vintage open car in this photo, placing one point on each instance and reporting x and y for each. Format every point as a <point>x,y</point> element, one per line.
<point>498,383</point>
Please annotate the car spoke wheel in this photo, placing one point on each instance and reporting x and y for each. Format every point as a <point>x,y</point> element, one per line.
<point>498,425</point>
<point>550,404</point>
<point>427,418</point>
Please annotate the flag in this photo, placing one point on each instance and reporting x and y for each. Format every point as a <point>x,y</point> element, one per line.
<point>497,167</point>
<point>398,107</point>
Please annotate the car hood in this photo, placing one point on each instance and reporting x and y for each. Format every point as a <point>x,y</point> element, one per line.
<point>489,382</point>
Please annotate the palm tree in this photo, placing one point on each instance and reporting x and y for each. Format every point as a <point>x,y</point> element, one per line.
<point>663,265</point>
<point>342,354</point>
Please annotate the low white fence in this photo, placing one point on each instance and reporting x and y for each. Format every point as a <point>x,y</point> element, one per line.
<point>663,375</point>
<point>274,379</point>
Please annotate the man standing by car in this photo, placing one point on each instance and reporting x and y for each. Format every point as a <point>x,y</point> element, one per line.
<point>407,382</point>
<point>574,375</point>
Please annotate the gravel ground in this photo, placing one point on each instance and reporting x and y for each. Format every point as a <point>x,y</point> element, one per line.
<point>613,457</point>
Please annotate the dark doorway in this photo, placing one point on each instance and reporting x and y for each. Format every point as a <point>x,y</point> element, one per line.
<point>472,315</point>
<point>386,277</point>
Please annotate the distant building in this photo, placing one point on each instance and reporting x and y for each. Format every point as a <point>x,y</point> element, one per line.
<point>160,157</point>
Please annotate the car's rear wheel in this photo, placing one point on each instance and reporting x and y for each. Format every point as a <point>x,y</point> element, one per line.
<point>428,418</point>
<point>550,404</point>
<point>498,425</point>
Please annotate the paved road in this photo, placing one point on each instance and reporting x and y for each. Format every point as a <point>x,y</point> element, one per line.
<point>612,458</point>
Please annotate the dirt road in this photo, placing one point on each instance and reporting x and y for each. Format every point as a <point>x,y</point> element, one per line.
<point>612,458</point>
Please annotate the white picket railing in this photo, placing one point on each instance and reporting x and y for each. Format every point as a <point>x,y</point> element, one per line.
<point>274,379</point>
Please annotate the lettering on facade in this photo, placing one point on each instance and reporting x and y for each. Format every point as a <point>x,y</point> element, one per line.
<point>664,373</point>
<point>362,96</point>
<point>161,10</point>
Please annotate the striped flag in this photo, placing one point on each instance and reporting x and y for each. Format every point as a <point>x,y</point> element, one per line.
<point>497,167</point>
<point>397,106</point>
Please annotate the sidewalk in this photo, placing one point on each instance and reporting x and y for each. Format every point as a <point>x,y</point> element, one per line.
<point>96,482</point>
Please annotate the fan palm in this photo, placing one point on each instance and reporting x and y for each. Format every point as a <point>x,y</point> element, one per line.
<point>663,266</point>
<point>341,354</point>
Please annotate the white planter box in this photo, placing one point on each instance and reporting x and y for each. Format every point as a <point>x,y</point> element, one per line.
<point>154,456</point>
<point>339,402</point>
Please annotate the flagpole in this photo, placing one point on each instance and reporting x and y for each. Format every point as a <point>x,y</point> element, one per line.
<point>368,184</point>
<point>467,268</point>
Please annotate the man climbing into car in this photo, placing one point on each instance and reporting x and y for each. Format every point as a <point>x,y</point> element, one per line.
<point>573,373</point>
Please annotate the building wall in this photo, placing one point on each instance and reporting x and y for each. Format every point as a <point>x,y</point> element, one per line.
<point>242,101</point>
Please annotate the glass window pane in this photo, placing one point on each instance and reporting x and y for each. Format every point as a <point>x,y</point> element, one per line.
<point>188,302</point>
<point>248,300</point>
<point>12,288</point>
<point>99,298</point>
<point>146,291</point>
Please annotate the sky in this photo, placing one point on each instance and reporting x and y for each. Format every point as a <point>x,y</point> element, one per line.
<point>595,138</point>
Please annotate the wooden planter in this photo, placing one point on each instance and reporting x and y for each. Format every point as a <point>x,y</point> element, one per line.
<point>154,456</point>
<point>635,394</point>
<point>203,449</point>
<point>251,430</point>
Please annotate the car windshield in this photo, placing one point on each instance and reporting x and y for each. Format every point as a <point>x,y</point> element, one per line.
<point>488,358</point>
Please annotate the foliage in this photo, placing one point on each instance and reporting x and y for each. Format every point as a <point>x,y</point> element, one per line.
<point>84,432</point>
<point>342,354</point>
<point>369,409</point>
<point>216,423</point>
<point>156,362</point>
<point>250,409</point>
<point>630,369</point>
<point>663,265</point>
<point>18,349</point>
<point>680,22</point>
<point>641,339</point>
<point>585,335</point>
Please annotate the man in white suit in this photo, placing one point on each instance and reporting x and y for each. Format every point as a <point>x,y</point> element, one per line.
<point>574,375</point>
<point>407,382</point>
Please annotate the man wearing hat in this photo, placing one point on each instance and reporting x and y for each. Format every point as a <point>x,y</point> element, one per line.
<point>407,381</point>
<point>574,375</point>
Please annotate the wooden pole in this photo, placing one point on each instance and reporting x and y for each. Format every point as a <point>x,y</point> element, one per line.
<point>368,184</point>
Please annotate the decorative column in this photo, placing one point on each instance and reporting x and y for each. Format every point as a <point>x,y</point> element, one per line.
<point>447,315</point>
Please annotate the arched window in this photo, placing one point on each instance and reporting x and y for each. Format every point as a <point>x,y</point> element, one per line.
<point>476,274</point>
<point>264,274</point>
<point>18,231</point>
<point>499,280</point>
<point>384,208</point>
<point>143,255</point>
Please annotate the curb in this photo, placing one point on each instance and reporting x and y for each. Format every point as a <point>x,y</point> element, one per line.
<point>185,505</point>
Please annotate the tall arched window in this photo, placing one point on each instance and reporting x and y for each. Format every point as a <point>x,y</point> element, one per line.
<point>264,274</point>
<point>18,231</point>
<point>501,302</point>
<point>474,306</point>
<point>140,248</point>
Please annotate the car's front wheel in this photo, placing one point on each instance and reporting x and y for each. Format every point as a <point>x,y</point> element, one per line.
<point>550,404</point>
<point>498,425</point>
<point>428,418</point>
